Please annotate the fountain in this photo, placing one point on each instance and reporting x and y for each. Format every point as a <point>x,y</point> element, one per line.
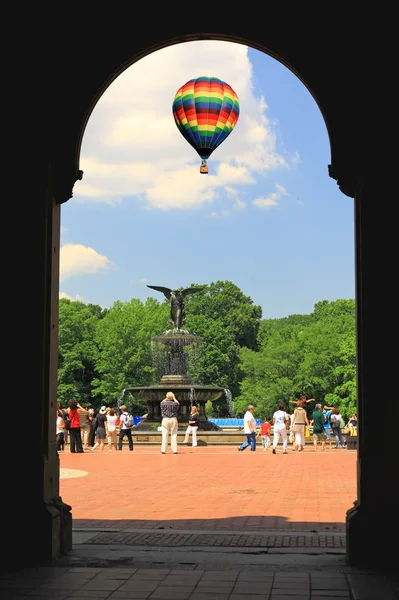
<point>173,353</point>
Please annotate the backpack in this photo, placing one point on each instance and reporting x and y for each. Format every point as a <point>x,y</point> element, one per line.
<point>128,420</point>
<point>335,424</point>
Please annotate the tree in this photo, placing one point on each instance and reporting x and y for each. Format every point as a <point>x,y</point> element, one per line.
<point>77,350</point>
<point>123,338</point>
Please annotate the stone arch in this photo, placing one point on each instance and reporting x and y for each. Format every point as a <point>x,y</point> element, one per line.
<point>128,59</point>
<point>333,57</point>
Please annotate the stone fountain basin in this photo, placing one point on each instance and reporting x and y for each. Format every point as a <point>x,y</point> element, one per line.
<point>184,393</point>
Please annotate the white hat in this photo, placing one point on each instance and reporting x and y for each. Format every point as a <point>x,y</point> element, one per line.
<point>103,410</point>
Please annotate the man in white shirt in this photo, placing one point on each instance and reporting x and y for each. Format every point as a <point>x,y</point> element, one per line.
<point>249,429</point>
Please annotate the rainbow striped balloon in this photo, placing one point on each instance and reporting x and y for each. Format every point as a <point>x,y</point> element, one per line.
<point>206,111</point>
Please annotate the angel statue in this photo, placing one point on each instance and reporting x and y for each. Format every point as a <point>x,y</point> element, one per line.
<point>176,301</point>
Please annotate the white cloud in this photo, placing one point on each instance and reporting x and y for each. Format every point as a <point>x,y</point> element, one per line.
<point>76,260</point>
<point>271,199</point>
<point>77,298</point>
<point>132,147</point>
<point>143,280</point>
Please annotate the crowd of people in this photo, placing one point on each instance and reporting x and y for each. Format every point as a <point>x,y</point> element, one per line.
<point>326,422</point>
<point>87,430</point>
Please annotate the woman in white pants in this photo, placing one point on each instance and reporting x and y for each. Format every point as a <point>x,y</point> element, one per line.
<point>280,418</point>
<point>192,428</point>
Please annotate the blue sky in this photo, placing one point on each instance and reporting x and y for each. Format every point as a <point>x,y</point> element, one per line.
<point>267,216</point>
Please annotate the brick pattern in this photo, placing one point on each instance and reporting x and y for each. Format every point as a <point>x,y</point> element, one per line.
<point>171,539</point>
<point>211,488</point>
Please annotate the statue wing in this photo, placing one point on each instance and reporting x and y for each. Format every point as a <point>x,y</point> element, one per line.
<point>159,288</point>
<point>192,290</point>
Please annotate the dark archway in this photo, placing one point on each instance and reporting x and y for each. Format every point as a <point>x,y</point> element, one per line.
<point>74,77</point>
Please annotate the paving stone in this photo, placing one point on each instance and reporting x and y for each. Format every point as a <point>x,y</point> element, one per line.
<point>371,588</point>
<point>220,575</point>
<point>174,594</point>
<point>102,584</point>
<point>136,585</point>
<point>329,584</point>
<point>90,594</point>
<point>132,595</point>
<point>250,587</point>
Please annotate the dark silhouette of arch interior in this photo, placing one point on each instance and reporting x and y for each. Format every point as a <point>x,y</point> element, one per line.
<point>69,60</point>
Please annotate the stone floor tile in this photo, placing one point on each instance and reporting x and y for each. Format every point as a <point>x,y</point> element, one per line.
<point>97,594</point>
<point>212,590</point>
<point>220,575</point>
<point>153,571</point>
<point>255,577</point>
<point>289,575</point>
<point>275,596</point>
<point>214,584</point>
<point>179,581</point>
<point>338,594</point>
<point>169,593</point>
<point>367,587</point>
<point>115,573</point>
<point>318,597</point>
<point>132,595</point>
<point>211,596</point>
<point>246,597</point>
<point>247,587</point>
<point>147,577</point>
<point>102,584</point>
<point>293,585</point>
<point>291,593</point>
<point>138,585</point>
<point>49,594</point>
<point>329,584</point>
<point>93,570</point>
<point>66,583</point>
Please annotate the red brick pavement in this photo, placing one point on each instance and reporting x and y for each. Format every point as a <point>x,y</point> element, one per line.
<point>211,488</point>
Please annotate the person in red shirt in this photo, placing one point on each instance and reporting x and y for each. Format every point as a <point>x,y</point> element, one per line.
<point>264,431</point>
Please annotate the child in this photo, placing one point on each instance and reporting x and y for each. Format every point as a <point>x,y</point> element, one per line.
<point>264,431</point>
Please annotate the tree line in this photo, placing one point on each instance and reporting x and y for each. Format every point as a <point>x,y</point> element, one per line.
<point>261,361</point>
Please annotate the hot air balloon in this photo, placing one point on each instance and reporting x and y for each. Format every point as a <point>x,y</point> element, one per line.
<point>206,111</point>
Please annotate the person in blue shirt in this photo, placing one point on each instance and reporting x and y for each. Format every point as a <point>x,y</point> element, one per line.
<point>327,427</point>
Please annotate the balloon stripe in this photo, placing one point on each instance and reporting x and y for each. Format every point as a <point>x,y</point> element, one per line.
<point>206,111</point>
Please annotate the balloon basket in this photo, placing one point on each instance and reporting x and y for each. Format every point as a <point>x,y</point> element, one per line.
<point>203,169</point>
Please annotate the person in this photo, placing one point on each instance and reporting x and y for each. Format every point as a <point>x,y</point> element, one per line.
<point>192,428</point>
<point>75,444</point>
<point>352,425</point>
<point>264,432</point>
<point>84,426</point>
<point>101,433</point>
<point>249,430</point>
<point>302,399</point>
<point>279,421</point>
<point>60,427</point>
<point>64,414</point>
<point>169,411</point>
<point>327,425</point>
<point>125,428</point>
<point>110,427</point>
<point>91,415</point>
<point>298,425</point>
<point>319,432</point>
<point>335,420</point>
